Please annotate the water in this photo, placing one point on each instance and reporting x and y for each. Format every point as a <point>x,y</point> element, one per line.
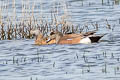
<point>22,60</point>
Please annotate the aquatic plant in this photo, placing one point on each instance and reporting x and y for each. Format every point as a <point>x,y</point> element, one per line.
<point>15,27</point>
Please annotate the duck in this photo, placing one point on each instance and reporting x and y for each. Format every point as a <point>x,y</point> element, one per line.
<point>72,35</point>
<point>84,38</point>
<point>40,39</point>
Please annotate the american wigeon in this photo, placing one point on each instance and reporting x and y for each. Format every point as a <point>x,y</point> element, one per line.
<point>85,38</point>
<point>40,39</point>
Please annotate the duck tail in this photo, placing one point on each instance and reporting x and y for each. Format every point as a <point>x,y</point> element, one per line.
<point>96,38</point>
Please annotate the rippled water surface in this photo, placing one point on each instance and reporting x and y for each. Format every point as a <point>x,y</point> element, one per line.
<point>22,60</point>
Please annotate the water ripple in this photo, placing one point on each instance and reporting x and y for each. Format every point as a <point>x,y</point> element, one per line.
<point>22,60</point>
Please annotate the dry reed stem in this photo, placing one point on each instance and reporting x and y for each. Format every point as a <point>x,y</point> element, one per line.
<point>1,17</point>
<point>20,29</point>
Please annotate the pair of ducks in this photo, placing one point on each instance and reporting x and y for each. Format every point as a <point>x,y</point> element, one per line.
<point>59,38</point>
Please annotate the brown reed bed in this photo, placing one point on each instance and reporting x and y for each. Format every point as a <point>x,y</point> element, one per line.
<point>12,27</point>
<point>22,30</point>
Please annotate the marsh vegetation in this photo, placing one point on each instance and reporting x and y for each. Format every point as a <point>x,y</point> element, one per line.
<point>21,60</point>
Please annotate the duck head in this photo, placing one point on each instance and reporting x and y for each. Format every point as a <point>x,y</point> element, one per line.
<point>36,33</point>
<point>55,35</point>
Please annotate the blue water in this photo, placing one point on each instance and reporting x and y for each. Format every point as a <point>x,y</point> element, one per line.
<point>22,60</point>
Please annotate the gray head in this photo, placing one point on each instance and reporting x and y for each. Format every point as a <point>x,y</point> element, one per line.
<point>55,35</point>
<point>35,32</point>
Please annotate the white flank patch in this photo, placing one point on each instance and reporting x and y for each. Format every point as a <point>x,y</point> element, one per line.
<point>69,39</point>
<point>85,40</point>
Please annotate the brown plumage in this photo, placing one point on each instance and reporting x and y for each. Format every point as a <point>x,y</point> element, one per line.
<point>85,38</point>
<point>59,38</point>
<point>66,38</point>
<point>40,39</point>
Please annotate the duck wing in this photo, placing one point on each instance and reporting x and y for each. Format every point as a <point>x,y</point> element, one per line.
<point>89,33</point>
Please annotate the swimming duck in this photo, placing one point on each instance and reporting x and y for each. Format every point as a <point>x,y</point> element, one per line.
<point>84,38</point>
<point>40,39</point>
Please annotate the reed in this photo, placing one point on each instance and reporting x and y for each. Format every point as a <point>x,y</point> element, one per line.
<point>104,70</point>
<point>108,25</point>
<point>54,64</point>
<point>14,27</point>
<point>0,16</point>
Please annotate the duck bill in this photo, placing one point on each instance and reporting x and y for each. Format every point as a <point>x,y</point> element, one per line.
<point>47,41</point>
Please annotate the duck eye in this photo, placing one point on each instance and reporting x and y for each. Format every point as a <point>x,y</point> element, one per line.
<point>52,33</point>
